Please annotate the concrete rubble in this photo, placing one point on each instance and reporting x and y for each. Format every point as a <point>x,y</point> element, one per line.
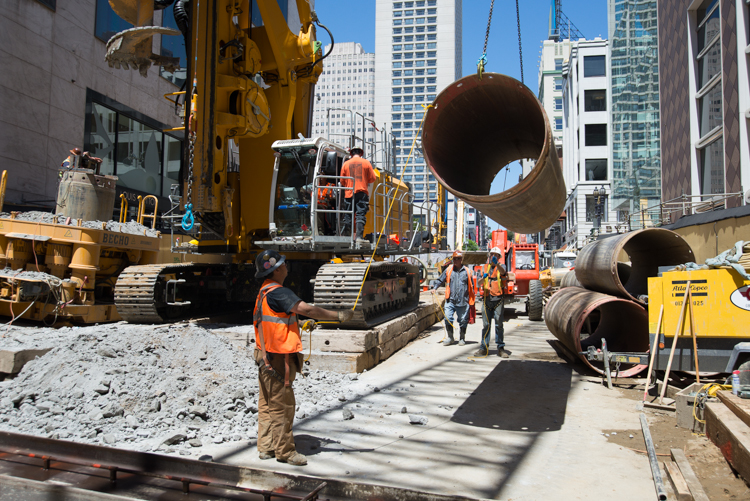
<point>130,227</point>
<point>168,388</point>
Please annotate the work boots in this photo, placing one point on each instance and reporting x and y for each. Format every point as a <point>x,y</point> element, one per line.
<point>450,340</point>
<point>360,235</point>
<point>295,459</point>
<point>462,337</point>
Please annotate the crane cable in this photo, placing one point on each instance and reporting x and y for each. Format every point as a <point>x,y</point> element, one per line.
<point>482,62</point>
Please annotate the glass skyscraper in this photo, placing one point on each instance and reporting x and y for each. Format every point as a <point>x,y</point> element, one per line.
<point>636,156</point>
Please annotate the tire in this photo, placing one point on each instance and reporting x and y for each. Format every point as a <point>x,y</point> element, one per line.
<point>536,300</point>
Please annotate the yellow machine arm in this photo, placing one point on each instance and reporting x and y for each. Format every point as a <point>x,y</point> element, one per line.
<point>251,79</point>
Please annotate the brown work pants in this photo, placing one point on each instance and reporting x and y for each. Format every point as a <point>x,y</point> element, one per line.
<point>276,406</point>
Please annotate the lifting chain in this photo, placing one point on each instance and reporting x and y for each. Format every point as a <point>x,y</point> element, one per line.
<point>483,60</point>
<point>189,219</point>
<point>520,50</point>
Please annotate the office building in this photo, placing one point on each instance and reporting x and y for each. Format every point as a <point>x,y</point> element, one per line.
<point>586,121</point>
<point>417,54</point>
<point>705,99</point>
<point>635,139</point>
<point>345,98</point>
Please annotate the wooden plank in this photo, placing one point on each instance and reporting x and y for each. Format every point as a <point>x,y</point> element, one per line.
<point>740,406</point>
<point>730,435</point>
<point>679,486</point>
<point>696,489</point>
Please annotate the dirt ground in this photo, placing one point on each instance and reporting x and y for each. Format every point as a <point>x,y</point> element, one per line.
<point>715,474</point>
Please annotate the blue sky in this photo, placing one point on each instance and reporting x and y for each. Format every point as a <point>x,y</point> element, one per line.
<point>350,24</point>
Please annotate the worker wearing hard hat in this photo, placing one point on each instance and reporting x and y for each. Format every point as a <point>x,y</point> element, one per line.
<point>277,353</point>
<point>459,295</point>
<point>359,196</point>
<point>493,305</point>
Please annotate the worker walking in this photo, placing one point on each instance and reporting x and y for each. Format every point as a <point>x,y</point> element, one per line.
<point>359,197</point>
<point>277,353</point>
<point>493,304</point>
<point>459,295</point>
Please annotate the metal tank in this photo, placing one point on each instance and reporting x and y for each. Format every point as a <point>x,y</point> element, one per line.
<point>580,318</point>
<point>477,126</point>
<point>82,194</point>
<point>598,267</point>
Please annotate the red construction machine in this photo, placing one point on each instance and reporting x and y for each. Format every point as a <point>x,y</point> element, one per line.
<point>522,263</point>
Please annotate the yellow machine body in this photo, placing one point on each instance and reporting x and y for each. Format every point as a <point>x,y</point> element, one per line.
<point>720,301</point>
<point>721,310</point>
<point>79,267</point>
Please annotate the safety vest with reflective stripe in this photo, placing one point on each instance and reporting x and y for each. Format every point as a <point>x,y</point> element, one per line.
<point>280,330</point>
<point>362,172</point>
<point>495,279</point>
<point>448,284</point>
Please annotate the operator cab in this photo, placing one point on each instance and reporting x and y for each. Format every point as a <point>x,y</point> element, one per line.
<point>564,260</point>
<point>307,199</point>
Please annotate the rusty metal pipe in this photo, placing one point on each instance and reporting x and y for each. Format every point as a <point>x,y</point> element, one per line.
<point>476,127</point>
<point>570,280</point>
<point>580,318</point>
<point>598,269</point>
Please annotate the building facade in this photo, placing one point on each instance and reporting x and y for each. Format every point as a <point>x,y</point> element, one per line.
<point>551,61</point>
<point>635,138</point>
<point>586,122</point>
<point>705,98</point>
<point>345,98</point>
<point>417,54</point>
<point>58,93</point>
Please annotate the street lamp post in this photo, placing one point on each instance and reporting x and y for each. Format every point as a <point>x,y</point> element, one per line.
<point>598,209</point>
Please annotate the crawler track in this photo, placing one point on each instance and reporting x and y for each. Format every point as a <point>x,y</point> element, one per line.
<point>390,290</point>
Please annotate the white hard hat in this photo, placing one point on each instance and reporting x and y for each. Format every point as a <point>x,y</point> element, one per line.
<point>495,250</point>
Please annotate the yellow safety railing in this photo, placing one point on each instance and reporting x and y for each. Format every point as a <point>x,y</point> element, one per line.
<point>142,209</point>
<point>123,208</point>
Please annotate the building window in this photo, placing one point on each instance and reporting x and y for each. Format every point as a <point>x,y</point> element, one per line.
<point>558,123</point>
<point>594,66</point>
<point>595,100</point>
<point>136,150</point>
<point>558,84</point>
<point>596,135</point>
<point>596,169</point>
<point>108,23</point>
<point>712,168</point>
<point>558,104</point>
<point>558,64</point>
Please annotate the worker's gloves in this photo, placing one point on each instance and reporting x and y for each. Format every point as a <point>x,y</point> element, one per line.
<point>308,325</point>
<point>485,276</point>
<point>346,315</point>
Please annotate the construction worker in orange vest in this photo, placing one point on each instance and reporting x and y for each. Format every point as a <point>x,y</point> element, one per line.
<point>493,304</point>
<point>326,202</point>
<point>277,353</point>
<point>358,197</point>
<point>459,295</point>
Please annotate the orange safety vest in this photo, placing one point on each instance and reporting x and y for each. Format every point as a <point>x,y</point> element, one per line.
<point>324,192</point>
<point>448,284</point>
<point>362,172</point>
<point>496,285</point>
<point>280,331</point>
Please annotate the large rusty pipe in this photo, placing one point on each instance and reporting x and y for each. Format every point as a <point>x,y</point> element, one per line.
<point>580,318</point>
<point>597,266</point>
<point>476,127</point>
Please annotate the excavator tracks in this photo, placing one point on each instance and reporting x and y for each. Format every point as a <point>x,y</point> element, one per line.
<point>390,289</point>
<point>161,293</point>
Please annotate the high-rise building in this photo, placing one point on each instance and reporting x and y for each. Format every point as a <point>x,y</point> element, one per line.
<point>345,98</point>
<point>586,145</point>
<point>634,78</point>
<point>554,55</point>
<point>417,54</point>
<point>705,97</point>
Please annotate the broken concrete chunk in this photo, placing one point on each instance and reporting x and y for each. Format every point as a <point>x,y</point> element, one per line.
<point>199,410</point>
<point>174,438</point>
<point>414,419</point>
<point>347,414</point>
<point>195,442</point>
<point>109,439</point>
<point>106,352</point>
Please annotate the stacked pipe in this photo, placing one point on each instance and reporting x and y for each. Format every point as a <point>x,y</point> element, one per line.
<point>610,299</point>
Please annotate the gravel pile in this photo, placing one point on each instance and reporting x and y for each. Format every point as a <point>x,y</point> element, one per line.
<point>170,388</point>
<point>131,227</point>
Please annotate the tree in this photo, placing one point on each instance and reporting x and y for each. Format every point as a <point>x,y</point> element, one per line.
<point>470,245</point>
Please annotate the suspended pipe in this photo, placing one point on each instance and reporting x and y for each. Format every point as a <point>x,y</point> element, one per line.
<point>580,318</point>
<point>598,268</point>
<point>476,127</point>
<point>570,280</point>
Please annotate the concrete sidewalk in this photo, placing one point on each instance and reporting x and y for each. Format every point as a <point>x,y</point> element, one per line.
<point>524,428</point>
